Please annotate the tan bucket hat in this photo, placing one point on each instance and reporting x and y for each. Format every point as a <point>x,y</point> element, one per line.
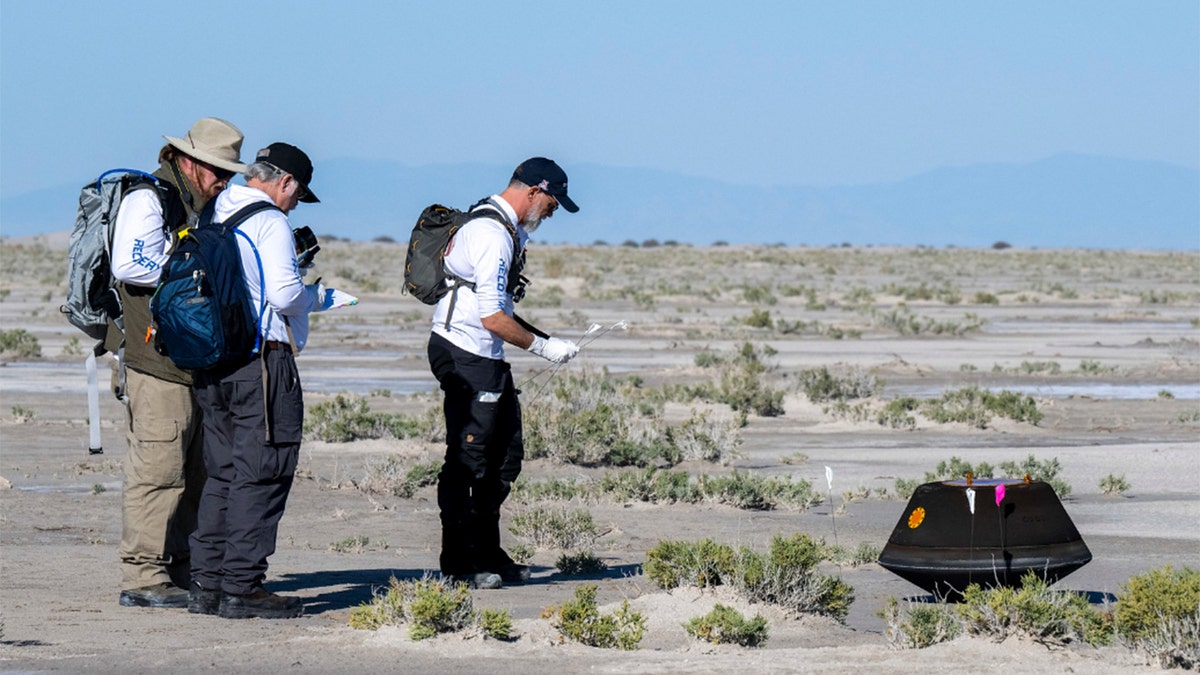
<point>214,141</point>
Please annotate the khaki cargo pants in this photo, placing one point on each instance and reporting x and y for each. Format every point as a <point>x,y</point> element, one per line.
<point>164,475</point>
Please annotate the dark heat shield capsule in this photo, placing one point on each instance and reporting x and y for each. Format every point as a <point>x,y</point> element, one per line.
<point>941,547</point>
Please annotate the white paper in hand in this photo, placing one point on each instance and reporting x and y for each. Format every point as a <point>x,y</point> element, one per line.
<point>333,299</point>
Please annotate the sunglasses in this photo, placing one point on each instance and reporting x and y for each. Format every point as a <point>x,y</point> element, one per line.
<point>221,174</point>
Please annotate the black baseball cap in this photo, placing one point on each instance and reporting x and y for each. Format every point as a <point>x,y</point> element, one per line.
<point>292,160</point>
<point>543,173</point>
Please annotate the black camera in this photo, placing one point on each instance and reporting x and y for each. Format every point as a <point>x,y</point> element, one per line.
<point>306,246</point>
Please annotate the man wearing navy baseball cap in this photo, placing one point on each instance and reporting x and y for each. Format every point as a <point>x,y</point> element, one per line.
<point>471,325</point>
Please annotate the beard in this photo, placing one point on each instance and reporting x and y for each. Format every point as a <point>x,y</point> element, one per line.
<point>533,220</point>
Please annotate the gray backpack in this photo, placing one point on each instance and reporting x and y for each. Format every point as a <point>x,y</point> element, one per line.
<point>92,298</point>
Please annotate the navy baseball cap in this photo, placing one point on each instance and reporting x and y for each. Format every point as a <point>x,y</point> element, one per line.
<point>544,174</point>
<point>290,159</point>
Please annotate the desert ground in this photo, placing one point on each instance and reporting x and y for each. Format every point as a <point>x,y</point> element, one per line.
<point>1106,343</point>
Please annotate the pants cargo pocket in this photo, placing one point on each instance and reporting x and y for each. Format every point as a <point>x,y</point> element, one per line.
<point>286,400</point>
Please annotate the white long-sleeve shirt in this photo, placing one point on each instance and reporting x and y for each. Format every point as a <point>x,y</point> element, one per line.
<point>140,247</point>
<point>271,234</point>
<point>482,253</point>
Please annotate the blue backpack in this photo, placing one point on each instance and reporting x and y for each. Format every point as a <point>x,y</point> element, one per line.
<point>203,315</point>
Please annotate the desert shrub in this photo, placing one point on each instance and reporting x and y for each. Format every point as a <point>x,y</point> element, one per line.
<point>864,554</point>
<point>977,407</point>
<point>348,417</point>
<point>1001,245</point>
<point>699,438</point>
<point>903,321</point>
<point>905,487</point>
<point>653,485</point>
<point>550,528</point>
<point>592,419</point>
<point>1034,611</point>
<point>581,621</point>
<point>1114,485</point>
<point>1043,470</point>
<point>758,295</point>
<point>21,414</point>
<point>786,576</point>
<point>741,383</point>
<point>985,298</point>
<point>355,544</point>
<point>1160,595</point>
<point>896,413</point>
<point>726,625</point>
<point>429,606</point>
<point>496,623</point>
<point>759,318</point>
<point>1175,643</point>
<point>562,489</point>
<point>957,468</point>
<point>821,385</point>
<point>1040,367</point>
<point>392,476</point>
<point>746,490</point>
<point>20,344</point>
<point>919,625</point>
<point>707,359</point>
<point>581,562</point>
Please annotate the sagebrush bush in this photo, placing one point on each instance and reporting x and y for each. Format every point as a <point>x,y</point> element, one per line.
<point>820,385</point>
<point>977,407</point>
<point>581,562</point>
<point>392,476</point>
<point>1161,594</point>
<point>919,625</point>
<point>591,419</point>
<point>348,417</point>
<point>726,625</point>
<point>1044,470</point>
<point>1033,610</point>
<point>555,528</point>
<point>787,576</point>
<point>580,620</point>
<point>429,606</point>
<point>20,344</point>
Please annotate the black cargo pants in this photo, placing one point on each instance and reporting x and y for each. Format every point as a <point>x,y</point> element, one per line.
<point>484,451</point>
<point>249,476</point>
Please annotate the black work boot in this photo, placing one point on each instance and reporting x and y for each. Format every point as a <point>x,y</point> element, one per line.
<point>202,600</point>
<point>159,595</point>
<point>261,604</point>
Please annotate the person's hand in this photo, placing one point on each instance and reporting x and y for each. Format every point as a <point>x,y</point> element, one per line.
<point>319,294</point>
<point>554,349</point>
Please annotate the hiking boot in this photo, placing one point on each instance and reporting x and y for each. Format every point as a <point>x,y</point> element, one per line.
<point>261,604</point>
<point>159,595</point>
<point>479,580</point>
<point>203,601</point>
<point>512,573</point>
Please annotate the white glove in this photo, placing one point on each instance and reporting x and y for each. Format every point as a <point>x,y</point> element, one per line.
<point>554,349</point>
<point>319,295</point>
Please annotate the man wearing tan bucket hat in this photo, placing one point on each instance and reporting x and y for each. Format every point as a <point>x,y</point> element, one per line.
<point>164,465</point>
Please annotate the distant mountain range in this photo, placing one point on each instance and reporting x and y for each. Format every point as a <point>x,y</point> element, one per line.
<point>1063,201</point>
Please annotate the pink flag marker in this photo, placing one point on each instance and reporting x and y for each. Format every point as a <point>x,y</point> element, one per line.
<point>999,494</point>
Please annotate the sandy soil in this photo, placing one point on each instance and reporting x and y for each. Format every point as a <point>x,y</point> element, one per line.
<point>60,507</point>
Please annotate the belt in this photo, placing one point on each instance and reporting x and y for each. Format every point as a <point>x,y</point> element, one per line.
<point>270,345</point>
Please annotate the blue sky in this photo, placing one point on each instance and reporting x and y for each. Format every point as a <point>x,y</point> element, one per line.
<point>755,93</point>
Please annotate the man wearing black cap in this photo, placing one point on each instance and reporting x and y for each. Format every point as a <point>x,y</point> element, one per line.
<point>253,412</point>
<point>484,449</point>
